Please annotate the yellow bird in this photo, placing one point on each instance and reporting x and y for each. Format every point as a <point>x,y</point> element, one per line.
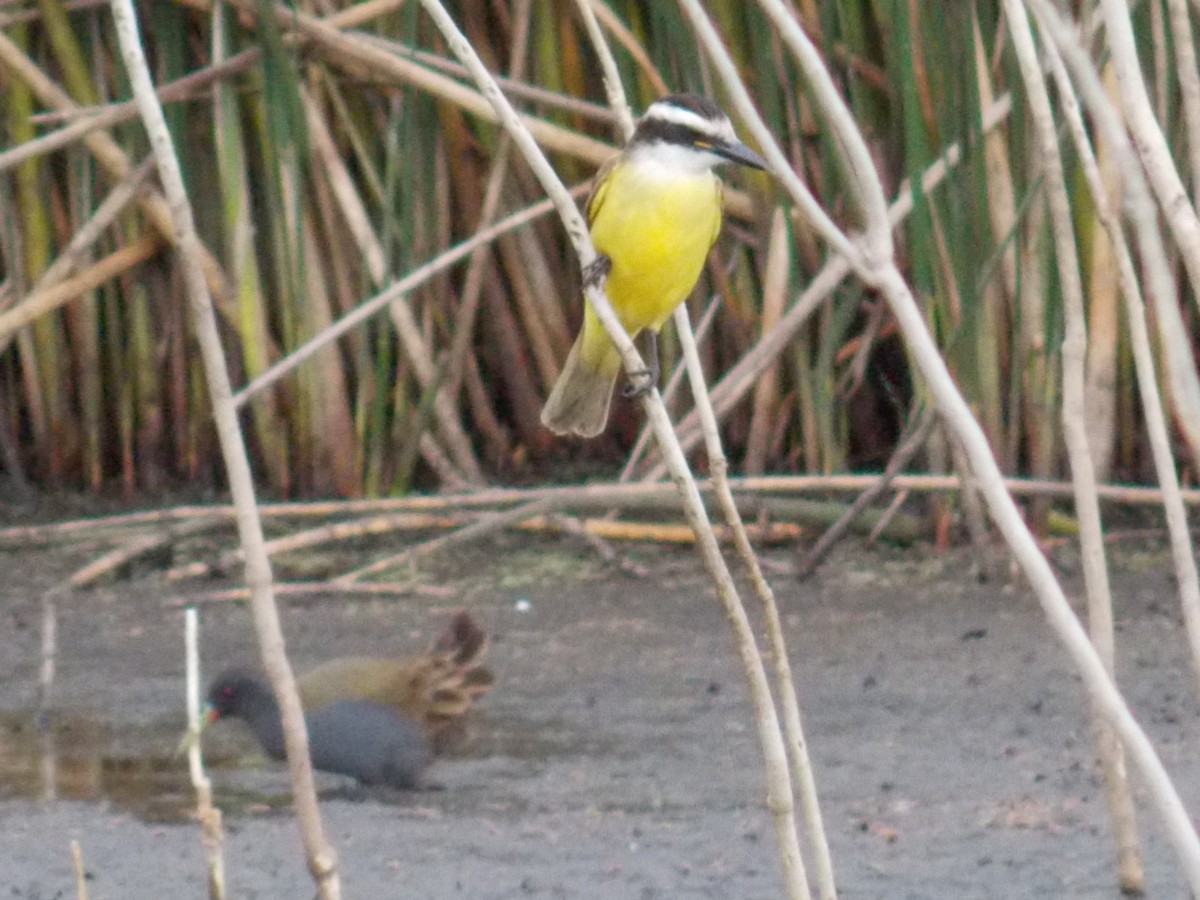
<point>654,213</point>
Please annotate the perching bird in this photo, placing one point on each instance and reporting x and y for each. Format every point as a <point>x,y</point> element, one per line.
<point>367,741</point>
<point>654,213</point>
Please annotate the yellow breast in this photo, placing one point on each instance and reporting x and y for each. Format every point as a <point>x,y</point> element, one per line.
<point>657,229</point>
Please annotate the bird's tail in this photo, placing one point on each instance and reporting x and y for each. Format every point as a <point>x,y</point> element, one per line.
<point>579,402</point>
<point>455,675</point>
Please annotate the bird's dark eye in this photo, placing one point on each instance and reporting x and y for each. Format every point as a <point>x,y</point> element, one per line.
<point>227,692</point>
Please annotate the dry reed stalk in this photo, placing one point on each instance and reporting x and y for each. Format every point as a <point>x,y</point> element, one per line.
<point>883,273</point>
<point>1151,145</point>
<point>779,798</point>
<point>1075,412</point>
<point>209,816</point>
<point>638,495</point>
<point>359,56</point>
<point>1188,73</point>
<point>787,703</point>
<point>321,858</point>
<point>81,891</point>
<point>1145,227</point>
<point>918,433</point>
<point>89,278</point>
<point>78,249</point>
<point>742,377</point>
<point>112,159</point>
<point>766,392</point>
<point>87,119</point>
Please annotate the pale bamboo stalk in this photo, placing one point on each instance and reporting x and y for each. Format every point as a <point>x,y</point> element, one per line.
<point>81,891</point>
<point>357,55</point>
<point>590,496</point>
<point>1130,872</point>
<point>86,120</point>
<point>73,255</point>
<point>613,88</point>
<point>630,43</point>
<point>1188,73</point>
<point>779,799</point>
<point>112,159</point>
<point>472,291</point>
<point>886,277</point>
<point>322,859</point>
<point>766,392</point>
<point>1151,143</point>
<point>645,436</point>
<point>212,833</point>
<point>1105,116</point>
<point>400,288</point>
<point>453,438</point>
<point>918,433</point>
<point>64,291</point>
<point>785,686</point>
<point>482,528</point>
<point>739,380</point>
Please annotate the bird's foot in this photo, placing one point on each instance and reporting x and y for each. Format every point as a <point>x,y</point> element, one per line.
<point>640,384</point>
<point>644,381</point>
<point>596,271</point>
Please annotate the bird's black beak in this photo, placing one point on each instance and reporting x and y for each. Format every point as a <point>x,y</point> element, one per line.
<point>740,154</point>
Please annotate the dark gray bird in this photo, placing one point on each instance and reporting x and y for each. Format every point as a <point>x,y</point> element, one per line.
<point>369,742</point>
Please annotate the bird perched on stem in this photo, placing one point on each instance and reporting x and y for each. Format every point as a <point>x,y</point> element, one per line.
<point>654,213</point>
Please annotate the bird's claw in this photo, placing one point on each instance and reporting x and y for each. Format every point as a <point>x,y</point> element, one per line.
<point>640,384</point>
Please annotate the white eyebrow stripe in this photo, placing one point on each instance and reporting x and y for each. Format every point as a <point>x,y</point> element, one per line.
<point>666,112</point>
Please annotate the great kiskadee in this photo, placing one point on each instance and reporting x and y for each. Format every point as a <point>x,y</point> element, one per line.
<point>654,213</point>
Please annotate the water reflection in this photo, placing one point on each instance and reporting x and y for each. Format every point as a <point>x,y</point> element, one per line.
<point>79,758</point>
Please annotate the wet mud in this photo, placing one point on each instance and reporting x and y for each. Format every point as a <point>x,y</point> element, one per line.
<point>616,755</point>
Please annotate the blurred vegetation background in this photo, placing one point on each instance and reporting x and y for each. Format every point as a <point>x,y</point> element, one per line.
<point>332,150</point>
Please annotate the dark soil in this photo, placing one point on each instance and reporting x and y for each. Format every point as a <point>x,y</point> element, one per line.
<point>616,756</point>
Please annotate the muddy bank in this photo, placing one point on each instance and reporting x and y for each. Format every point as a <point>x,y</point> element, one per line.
<point>615,757</point>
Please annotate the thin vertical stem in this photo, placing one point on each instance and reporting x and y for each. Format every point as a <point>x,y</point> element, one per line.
<point>322,859</point>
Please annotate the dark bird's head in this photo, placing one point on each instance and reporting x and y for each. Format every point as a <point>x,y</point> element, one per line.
<point>239,694</point>
<point>688,134</point>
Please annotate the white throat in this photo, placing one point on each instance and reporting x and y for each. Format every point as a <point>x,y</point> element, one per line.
<point>663,161</point>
